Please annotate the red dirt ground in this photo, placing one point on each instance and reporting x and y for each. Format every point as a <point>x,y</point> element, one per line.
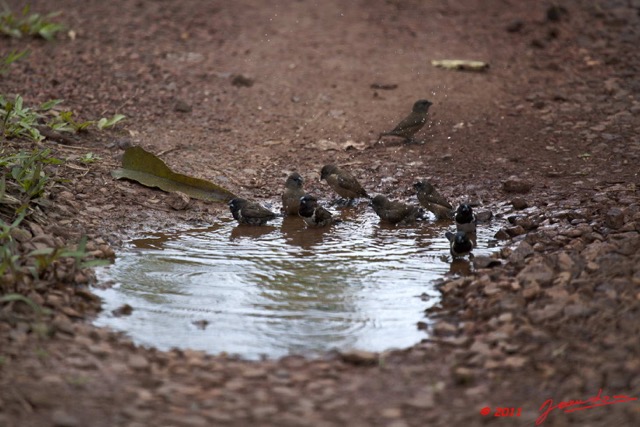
<point>558,108</point>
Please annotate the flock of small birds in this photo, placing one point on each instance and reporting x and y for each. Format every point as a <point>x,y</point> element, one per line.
<point>295,201</point>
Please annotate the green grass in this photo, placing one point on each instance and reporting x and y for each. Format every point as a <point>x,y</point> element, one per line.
<point>10,58</point>
<point>29,24</point>
<point>20,121</point>
<point>24,183</point>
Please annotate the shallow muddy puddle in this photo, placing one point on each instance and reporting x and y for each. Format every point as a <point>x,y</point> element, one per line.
<point>282,289</point>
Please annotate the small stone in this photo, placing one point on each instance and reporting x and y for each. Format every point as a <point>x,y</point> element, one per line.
<point>482,261</point>
<point>138,362</point>
<point>182,106</point>
<point>515,362</point>
<point>516,185</point>
<point>462,375</point>
<point>359,357</point>
<point>577,310</point>
<point>518,230</point>
<point>555,13</point>
<point>178,201</point>
<point>241,80</point>
<point>536,272</point>
<point>515,26</point>
<point>531,291</point>
<point>444,328</point>
<point>124,310</point>
<point>421,402</point>
<point>391,413</point>
<point>519,203</point>
<point>502,234</point>
<point>484,216</point>
<point>60,418</point>
<point>254,373</point>
<point>200,324</point>
<point>548,313</point>
<point>519,254</point>
<point>614,218</point>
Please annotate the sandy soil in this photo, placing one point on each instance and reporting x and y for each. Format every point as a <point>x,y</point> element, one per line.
<point>558,108</point>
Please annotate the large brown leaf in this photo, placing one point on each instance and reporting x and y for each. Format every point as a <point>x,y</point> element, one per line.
<point>147,169</point>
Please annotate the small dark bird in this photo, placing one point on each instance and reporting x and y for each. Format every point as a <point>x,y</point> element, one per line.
<point>460,245</point>
<point>292,193</point>
<point>465,219</point>
<point>314,215</point>
<point>411,124</point>
<point>395,212</point>
<point>342,182</point>
<point>429,197</point>
<point>246,212</point>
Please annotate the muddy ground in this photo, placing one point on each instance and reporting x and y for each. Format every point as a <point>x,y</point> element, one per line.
<point>558,109</point>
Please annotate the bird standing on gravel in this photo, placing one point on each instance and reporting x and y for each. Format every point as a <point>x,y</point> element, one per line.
<point>293,191</point>
<point>429,197</point>
<point>411,124</point>
<point>314,215</point>
<point>342,182</point>
<point>251,213</point>
<point>395,212</point>
<point>465,219</point>
<point>459,243</point>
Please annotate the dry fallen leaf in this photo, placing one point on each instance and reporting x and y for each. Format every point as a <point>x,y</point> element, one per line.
<point>147,169</point>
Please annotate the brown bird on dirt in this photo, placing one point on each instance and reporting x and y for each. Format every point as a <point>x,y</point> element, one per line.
<point>313,214</point>
<point>429,197</point>
<point>411,124</point>
<point>252,213</point>
<point>459,243</point>
<point>395,212</point>
<point>342,182</point>
<point>293,191</point>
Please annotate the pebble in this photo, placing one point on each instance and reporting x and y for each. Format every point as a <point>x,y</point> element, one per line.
<point>421,402</point>
<point>516,185</point>
<point>391,413</point>
<point>178,201</point>
<point>182,106</point>
<point>519,203</point>
<point>241,80</point>
<point>359,357</point>
<point>531,291</point>
<point>518,230</point>
<point>614,218</point>
<point>444,328</point>
<point>60,418</point>
<point>462,375</point>
<point>483,261</point>
<point>123,310</point>
<point>138,362</point>
<point>502,234</point>
<point>547,313</point>
<point>536,272</point>
<point>519,254</point>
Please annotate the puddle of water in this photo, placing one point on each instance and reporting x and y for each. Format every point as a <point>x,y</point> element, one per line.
<point>281,289</point>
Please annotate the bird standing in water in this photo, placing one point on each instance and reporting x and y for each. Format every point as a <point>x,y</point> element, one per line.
<point>395,212</point>
<point>313,214</point>
<point>342,182</point>
<point>411,124</point>
<point>465,219</point>
<point>429,197</point>
<point>251,213</point>
<point>293,191</point>
<point>459,243</point>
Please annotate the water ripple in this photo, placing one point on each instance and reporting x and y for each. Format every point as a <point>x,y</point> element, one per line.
<point>280,289</point>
